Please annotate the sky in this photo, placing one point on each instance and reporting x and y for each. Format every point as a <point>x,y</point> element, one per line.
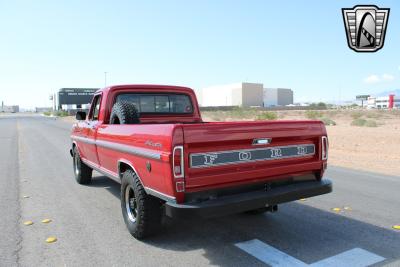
<point>48,45</point>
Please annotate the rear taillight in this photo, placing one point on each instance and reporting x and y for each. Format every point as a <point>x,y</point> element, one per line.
<point>178,162</point>
<point>325,147</point>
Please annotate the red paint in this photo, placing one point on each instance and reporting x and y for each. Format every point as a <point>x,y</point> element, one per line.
<point>391,101</point>
<point>195,136</point>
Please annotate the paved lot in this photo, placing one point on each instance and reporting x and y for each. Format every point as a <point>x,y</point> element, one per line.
<point>35,162</point>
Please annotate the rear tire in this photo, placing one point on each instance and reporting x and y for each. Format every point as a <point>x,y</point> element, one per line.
<point>124,113</point>
<point>142,213</point>
<point>83,173</point>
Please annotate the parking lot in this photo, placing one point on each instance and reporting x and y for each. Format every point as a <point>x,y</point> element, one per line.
<point>352,226</point>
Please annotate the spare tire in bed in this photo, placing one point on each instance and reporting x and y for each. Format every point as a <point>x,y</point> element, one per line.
<point>124,112</point>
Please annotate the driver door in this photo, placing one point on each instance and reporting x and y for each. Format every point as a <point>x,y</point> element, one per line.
<point>90,130</point>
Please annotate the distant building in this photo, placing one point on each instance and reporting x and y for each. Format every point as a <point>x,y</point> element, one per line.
<point>244,95</point>
<point>238,94</point>
<point>9,109</point>
<point>277,97</point>
<point>384,102</point>
<point>70,99</point>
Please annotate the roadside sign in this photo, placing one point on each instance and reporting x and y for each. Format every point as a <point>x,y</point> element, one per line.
<point>362,97</point>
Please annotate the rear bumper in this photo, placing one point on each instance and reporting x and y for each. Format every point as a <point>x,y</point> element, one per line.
<point>249,200</point>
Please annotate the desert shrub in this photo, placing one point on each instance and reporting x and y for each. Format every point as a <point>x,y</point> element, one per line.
<point>267,115</point>
<point>313,114</point>
<point>373,115</point>
<point>333,113</point>
<point>371,123</point>
<point>359,122</point>
<point>242,113</point>
<point>364,122</point>
<point>356,115</point>
<point>320,105</point>
<point>328,121</point>
<point>61,113</point>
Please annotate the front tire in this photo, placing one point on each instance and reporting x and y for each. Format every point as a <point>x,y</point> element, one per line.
<point>142,213</point>
<point>83,173</point>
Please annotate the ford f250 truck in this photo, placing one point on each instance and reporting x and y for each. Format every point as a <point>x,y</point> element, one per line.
<point>152,140</point>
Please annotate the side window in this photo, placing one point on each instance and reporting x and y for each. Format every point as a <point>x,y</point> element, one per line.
<point>95,108</point>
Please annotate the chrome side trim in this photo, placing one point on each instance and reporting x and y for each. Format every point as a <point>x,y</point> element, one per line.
<point>103,171</point>
<point>137,151</point>
<point>158,194</point>
<point>83,139</point>
<point>148,190</point>
<point>129,149</point>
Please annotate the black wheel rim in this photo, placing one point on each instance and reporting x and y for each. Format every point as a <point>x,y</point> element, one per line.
<point>130,203</point>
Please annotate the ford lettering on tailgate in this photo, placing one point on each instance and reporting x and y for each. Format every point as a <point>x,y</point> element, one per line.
<point>199,160</point>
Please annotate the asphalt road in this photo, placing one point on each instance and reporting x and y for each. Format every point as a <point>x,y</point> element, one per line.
<point>87,221</point>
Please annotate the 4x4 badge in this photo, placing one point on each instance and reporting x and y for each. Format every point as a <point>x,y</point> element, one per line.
<point>365,27</point>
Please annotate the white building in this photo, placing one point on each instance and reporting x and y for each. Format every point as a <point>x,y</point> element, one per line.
<point>238,94</point>
<point>244,95</point>
<point>277,97</point>
<point>383,102</point>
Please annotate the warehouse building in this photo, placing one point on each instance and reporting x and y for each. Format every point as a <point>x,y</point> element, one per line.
<point>277,97</point>
<point>244,95</point>
<point>238,94</point>
<point>72,99</point>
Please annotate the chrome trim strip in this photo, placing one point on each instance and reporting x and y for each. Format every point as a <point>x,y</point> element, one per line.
<point>247,150</point>
<point>158,194</point>
<point>128,149</point>
<point>148,190</point>
<point>101,170</point>
<point>119,147</point>
<point>83,139</point>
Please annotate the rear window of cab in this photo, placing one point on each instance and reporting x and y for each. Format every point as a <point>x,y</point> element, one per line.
<point>158,103</point>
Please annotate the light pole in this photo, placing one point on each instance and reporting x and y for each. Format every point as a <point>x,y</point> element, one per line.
<point>105,79</point>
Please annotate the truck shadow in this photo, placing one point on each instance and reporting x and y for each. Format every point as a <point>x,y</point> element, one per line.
<point>304,232</point>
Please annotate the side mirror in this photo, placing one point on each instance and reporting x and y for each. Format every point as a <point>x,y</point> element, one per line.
<point>81,115</point>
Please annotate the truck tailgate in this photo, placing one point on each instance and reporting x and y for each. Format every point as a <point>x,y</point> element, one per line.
<point>228,153</point>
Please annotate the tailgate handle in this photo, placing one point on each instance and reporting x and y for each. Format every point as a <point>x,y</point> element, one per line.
<point>262,141</point>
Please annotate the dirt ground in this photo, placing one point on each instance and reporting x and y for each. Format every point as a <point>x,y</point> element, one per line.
<point>374,149</point>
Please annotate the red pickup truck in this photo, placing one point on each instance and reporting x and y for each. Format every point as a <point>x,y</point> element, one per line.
<point>152,140</point>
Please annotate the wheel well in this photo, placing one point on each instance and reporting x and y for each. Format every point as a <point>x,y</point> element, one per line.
<point>123,167</point>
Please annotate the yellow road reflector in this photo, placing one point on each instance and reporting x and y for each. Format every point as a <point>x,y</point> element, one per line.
<point>28,223</point>
<point>51,239</point>
<point>46,221</point>
<point>302,199</point>
<point>25,196</point>
<point>336,209</point>
<point>347,208</point>
<point>397,227</point>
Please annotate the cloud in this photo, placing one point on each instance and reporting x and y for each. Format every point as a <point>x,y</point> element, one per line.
<point>387,77</point>
<point>379,78</point>
<point>372,79</point>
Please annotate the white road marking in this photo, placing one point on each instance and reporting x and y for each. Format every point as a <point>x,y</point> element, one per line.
<point>356,257</point>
